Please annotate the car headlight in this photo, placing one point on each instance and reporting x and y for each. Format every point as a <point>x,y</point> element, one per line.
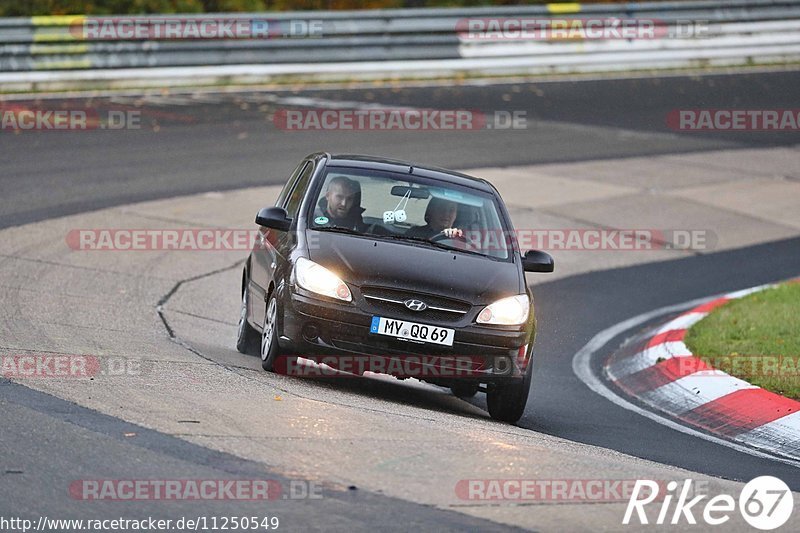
<point>316,278</point>
<point>510,311</point>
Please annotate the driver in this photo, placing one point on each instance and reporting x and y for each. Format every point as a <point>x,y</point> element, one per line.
<point>341,204</point>
<point>439,217</point>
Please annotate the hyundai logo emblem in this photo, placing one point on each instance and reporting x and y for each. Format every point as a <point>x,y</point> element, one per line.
<point>416,305</point>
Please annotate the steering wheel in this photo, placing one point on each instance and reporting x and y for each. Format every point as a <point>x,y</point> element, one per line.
<point>442,237</point>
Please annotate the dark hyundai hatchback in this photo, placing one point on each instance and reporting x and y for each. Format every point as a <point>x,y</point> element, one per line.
<point>368,264</point>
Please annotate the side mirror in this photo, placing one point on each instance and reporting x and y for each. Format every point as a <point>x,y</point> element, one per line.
<point>274,217</point>
<point>537,261</point>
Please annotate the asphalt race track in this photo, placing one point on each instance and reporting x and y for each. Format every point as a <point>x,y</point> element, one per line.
<point>225,142</point>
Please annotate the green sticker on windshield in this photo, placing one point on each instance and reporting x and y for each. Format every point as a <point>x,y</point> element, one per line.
<point>321,220</point>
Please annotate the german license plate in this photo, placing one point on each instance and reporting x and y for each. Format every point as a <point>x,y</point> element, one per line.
<point>412,331</point>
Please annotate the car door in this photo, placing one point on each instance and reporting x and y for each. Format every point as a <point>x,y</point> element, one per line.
<point>268,263</point>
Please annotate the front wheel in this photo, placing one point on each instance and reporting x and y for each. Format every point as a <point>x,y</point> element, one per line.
<point>506,401</point>
<point>269,335</point>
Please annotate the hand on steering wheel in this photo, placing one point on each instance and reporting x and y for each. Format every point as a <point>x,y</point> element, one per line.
<point>449,233</point>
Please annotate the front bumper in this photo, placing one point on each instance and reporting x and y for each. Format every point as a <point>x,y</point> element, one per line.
<point>338,334</point>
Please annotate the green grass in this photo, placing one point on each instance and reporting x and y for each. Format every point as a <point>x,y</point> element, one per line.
<point>755,338</point>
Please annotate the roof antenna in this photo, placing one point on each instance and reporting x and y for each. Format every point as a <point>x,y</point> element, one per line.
<point>410,170</point>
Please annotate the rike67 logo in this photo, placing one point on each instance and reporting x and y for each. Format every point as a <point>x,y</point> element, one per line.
<point>765,503</point>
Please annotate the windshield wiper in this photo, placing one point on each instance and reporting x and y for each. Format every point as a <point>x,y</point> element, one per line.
<point>348,231</point>
<point>431,243</point>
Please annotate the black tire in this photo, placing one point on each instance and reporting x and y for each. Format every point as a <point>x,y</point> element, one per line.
<point>465,389</point>
<point>269,335</point>
<point>506,401</point>
<point>247,338</point>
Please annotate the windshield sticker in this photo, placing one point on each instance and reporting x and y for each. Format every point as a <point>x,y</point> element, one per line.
<point>321,220</point>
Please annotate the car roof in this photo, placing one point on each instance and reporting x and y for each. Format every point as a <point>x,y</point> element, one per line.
<point>394,165</point>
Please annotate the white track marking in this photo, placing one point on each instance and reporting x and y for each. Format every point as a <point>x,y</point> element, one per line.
<point>694,390</point>
<point>785,429</point>
<point>647,358</point>
<point>745,292</point>
<point>683,322</point>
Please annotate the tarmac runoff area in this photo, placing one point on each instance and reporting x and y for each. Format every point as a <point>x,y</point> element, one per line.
<point>419,447</point>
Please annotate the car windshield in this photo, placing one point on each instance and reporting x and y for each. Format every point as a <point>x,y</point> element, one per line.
<point>410,208</point>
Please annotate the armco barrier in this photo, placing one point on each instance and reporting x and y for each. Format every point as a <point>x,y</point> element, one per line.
<point>692,33</point>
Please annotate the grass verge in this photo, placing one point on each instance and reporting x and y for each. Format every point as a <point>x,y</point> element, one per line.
<point>755,338</point>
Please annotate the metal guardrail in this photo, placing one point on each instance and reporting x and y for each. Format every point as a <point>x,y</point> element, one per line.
<point>738,31</point>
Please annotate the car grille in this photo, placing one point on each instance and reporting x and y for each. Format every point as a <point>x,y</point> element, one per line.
<point>440,309</point>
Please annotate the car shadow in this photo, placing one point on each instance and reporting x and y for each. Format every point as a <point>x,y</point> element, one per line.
<point>410,392</point>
